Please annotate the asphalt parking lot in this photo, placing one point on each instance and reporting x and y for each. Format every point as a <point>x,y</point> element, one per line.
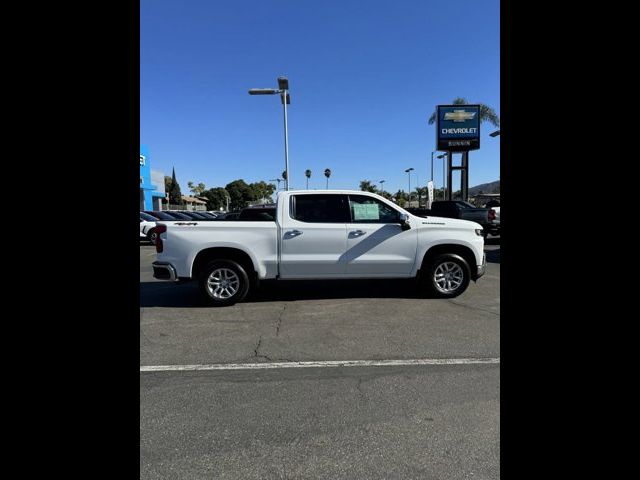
<point>384,421</point>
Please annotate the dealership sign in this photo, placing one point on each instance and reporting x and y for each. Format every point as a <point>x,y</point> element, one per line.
<point>458,128</point>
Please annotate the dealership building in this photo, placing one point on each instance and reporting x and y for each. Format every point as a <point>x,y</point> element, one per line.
<point>151,183</point>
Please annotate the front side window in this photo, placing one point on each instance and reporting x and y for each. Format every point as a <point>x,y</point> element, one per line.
<point>321,208</point>
<point>366,209</point>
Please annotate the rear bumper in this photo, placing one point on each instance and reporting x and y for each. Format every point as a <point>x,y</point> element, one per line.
<point>164,271</point>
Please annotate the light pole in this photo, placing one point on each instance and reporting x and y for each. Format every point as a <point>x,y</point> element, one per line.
<point>276,180</point>
<point>432,152</point>
<point>382,186</point>
<point>285,98</point>
<point>443,156</point>
<point>408,172</point>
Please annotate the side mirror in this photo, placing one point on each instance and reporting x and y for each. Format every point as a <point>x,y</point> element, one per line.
<point>404,221</point>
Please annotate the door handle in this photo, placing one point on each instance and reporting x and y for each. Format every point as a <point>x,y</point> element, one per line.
<point>294,233</point>
<point>358,233</point>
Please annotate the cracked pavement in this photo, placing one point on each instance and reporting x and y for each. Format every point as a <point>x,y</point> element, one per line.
<point>340,320</point>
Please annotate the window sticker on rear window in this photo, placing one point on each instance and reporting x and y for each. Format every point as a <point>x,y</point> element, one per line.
<point>366,211</point>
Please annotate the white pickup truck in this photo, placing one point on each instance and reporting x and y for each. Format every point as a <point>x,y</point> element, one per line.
<point>330,234</point>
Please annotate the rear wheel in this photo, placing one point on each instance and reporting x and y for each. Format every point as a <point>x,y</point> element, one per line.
<point>151,236</point>
<point>223,282</point>
<point>447,275</point>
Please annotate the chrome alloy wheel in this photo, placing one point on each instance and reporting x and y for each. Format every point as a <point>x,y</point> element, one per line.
<point>223,283</point>
<point>448,277</point>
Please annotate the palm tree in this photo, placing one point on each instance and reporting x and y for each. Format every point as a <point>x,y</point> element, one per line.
<point>487,114</point>
<point>367,186</point>
<point>307,173</point>
<point>327,173</point>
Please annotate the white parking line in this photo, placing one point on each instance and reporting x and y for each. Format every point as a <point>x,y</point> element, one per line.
<point>320,364</point>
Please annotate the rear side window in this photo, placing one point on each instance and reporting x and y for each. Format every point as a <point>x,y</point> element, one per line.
<point>366,209</point>
<point>321,208</point>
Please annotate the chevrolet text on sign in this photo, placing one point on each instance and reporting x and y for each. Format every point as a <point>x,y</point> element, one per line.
<point>458,127</point>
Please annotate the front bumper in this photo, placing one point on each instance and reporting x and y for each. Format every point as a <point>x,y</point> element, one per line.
<point>164,271</point>
<point>481,268</point>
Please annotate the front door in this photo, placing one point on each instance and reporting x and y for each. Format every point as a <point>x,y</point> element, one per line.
<point>376,244</point>
<point>314,236</point>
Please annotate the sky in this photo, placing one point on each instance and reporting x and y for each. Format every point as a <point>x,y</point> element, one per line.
<point>364,77</point>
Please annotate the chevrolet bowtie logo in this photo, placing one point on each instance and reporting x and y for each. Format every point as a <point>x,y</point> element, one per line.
<point>459,115</point>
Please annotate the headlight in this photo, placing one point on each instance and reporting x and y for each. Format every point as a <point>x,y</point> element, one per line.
<point>479,232</point>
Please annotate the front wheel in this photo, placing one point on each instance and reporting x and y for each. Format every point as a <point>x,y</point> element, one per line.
<point>223,282</point>
<point>447,275</point>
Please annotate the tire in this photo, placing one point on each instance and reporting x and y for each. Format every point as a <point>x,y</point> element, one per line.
<point>223,283</point>
<point>447,275</point>
<point>151,236</point>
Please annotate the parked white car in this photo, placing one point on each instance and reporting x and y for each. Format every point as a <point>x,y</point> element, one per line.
<point>147,227</point>
<point>335,234</point>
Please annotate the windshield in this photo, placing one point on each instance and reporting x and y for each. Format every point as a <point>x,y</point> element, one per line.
<point>147,217</point>
<point>162,216</point>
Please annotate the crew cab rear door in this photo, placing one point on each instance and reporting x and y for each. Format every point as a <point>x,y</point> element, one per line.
<point>313,236</point>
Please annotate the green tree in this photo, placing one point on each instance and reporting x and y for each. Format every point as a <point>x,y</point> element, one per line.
<point>196,190</point>
<point>487,114</point>
<point>216,198</point>
<point>261,190</point>
<point>439,193</point>
<point>385,194</point>
<point>421,194</point>
<point>175,196</point>
<point>167,185</point>
<point>307,173</point>
<point>327,173</point>
<point>367,186</point>
<point>401,198</point>
<point>240,194</point>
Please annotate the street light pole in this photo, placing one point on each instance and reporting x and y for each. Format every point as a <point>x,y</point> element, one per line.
<point>283,90</point>
<point>408,172</point>
<point>442,156</point>
<point>276,180</point>
<point>382,186</point>
<point>285,97</point>
<point>432,152</point>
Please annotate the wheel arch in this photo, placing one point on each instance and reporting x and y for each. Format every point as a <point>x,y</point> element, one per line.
<point>462,250</point>
<point>224,253</point>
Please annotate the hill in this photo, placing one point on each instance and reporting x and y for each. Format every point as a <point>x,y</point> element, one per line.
<point>485,188</point>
